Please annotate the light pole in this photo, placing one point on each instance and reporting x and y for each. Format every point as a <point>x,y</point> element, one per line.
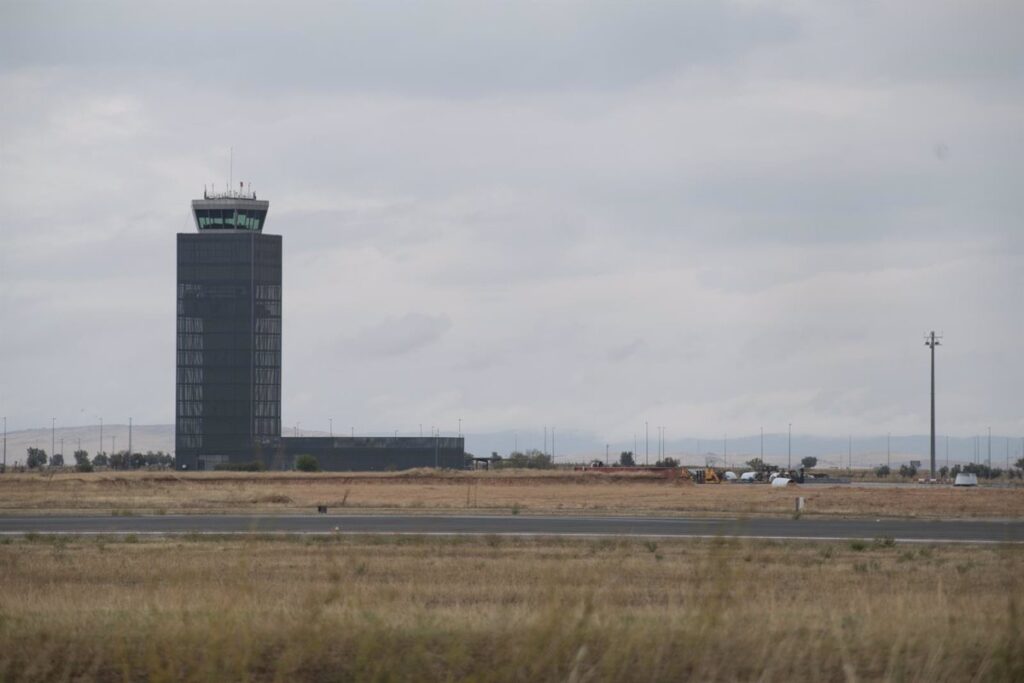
<point>331,420</point>
<point>990,452</point>
<point>931,341</point>
<point>5,443</point>
<point>762,445</point>
<point>460,428</point>
<point>888,450</point>
<point>129,439</point>
<point>53,432</point>
<point>647,442</point>
<point>789,448</point>
<point>725,450</point>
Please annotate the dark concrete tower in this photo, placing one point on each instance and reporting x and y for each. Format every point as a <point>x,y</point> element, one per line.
<point>228,392</point>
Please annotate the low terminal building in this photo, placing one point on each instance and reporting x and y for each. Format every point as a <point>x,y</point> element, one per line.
<point>343,454</point>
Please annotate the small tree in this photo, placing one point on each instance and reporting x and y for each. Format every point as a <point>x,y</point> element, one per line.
<point>667,462</point>
<point>882,471</point>
<point>306,463</point>
<point>626,459</point>
<point>82,463</point>
<point>57,460</point>
<point>100,460</point>
<point>809,462</point>
<point>36,458</point>
<point>908,471</point>
<point>756,464</point>
<point>943,472</point>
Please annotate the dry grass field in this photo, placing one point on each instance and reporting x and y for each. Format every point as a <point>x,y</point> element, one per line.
<point>524,491</point>
<point>496,609</point>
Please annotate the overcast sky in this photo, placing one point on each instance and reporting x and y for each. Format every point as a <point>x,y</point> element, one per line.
<point>710,216</point>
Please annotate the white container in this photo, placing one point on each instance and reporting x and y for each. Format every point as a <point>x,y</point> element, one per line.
<point>965,479</point>
<point>781,481</point>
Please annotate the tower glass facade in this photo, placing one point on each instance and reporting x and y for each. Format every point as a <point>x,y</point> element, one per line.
<point>228,390</point>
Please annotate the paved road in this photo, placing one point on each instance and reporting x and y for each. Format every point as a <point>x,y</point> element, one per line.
<point>806,528</point>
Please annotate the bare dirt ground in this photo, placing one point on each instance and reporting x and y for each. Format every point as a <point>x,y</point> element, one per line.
<point>520,491</point>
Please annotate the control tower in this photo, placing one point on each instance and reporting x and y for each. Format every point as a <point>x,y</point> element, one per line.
<point>228,387</point>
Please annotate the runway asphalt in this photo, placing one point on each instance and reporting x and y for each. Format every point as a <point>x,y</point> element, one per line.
<point>526,525</point>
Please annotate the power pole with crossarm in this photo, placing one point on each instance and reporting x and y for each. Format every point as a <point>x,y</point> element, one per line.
<point>932,340</point>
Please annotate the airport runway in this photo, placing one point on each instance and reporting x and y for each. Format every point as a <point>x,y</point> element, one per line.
<point>530,525</point>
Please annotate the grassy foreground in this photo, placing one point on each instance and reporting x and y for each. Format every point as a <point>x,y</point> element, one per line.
<point>495,609</point>
<point>501,491</point>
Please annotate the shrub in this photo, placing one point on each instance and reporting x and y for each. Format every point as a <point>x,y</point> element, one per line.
<point>306,463</point>
<point>882,471</point>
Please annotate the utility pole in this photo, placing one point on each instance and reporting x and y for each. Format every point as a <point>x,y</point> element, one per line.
<point>5,443</point>
<point>53,440</point>
<point>331,420</point>
<point>931,341</point>
<point>989,451</point>
<point>762,444</point>
<point>129,441</point>
<point>888,450</point>
<point>789,448</point>
<point>101,437</point>
<point>849,455</point>
<point>552,445</point>
<point>725,449</point>
<point>606,463</point>
<point>647,442</point>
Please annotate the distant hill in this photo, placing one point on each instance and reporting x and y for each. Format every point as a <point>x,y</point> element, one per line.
<point>144,438</point>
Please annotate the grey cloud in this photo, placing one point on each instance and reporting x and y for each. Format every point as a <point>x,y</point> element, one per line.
<point>398,336</point>
<point>454,46</point>
<point>617,354</point>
